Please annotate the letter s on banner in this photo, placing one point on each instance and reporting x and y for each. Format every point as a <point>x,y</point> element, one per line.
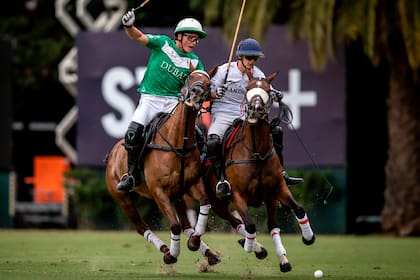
<point>121,102</point>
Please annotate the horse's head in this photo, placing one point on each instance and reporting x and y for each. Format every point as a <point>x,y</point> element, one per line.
<point>196,89</point>
<point>258,98</point>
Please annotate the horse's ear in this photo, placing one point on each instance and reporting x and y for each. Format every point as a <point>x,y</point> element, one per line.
<point>213,71</point>
<point>271,76</point>
<point>191,68</point>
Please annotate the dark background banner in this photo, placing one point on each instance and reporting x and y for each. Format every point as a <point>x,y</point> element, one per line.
<point>110,66</point>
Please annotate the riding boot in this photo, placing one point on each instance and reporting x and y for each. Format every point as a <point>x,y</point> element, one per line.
<point>133,145</point>
<point>277,134</point>
<point>214,155</point>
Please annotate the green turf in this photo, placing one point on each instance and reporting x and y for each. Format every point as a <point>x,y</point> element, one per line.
<point>80,255</point>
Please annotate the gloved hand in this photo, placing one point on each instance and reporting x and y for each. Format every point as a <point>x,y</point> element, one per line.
<point>220,91</point>
<point>128,18</point>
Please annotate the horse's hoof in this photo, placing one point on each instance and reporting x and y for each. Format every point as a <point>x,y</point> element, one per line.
<point>286,267</point>
<point>194,243</point>
<point>309,242</point>
<point>261,255</point>
<point>169,259</point>
<point>241,242</point>
<point>213,260</point>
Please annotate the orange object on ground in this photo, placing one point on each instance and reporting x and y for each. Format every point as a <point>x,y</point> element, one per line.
<point>48,179</point>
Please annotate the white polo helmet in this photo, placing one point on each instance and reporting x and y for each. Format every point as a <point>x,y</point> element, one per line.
<point>190,25</point>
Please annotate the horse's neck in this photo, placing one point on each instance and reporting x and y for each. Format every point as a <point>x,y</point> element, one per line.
<point>258,137</point>
<point>181,124</point>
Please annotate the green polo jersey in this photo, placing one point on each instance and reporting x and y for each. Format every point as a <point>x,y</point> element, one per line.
<point>167,67</point>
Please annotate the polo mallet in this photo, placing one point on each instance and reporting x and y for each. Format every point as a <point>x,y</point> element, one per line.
<point>141,5</point>
<point>235,36</point>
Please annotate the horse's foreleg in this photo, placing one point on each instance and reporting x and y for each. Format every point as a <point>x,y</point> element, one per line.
<point>128,206</point>
<point>273,228</point>
<point>165,206</point>
<point>308,237</point>
<point>198,193</point>
<point>181,209</point>
<point>203,216</point>
<point>285,266</point>
<point>191,211</point>
<point>248,228</point>
<point>258,248</point>
<point>212,257</point>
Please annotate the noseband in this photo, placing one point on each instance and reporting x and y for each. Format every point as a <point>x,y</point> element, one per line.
<point>258,102</point>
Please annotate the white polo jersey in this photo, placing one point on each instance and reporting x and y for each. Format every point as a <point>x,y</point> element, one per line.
<point>231,106</point>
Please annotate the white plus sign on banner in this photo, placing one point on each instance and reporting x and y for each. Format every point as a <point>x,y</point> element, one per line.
<point>297,98</point>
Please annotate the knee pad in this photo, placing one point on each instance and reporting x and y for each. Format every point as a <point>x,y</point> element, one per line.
<point>213,145</point>
<point>133,135</point>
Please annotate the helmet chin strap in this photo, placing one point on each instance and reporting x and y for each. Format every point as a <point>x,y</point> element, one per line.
<point>246,68</point>
<point>180,41</point>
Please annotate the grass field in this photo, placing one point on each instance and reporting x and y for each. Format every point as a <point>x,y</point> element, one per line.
<point>77,255</point>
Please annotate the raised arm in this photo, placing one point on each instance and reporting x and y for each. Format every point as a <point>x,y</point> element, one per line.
<point>133,32</point>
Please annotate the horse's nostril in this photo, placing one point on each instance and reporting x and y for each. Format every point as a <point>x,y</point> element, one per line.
<point>195,99</point>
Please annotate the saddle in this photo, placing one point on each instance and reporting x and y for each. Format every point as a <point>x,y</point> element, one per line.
<point>153,127</point>
<point>231,133</point>
<point>229,137</point>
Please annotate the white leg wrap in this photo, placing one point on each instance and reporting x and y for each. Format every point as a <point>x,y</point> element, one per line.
<point>241,230</point>
<point>235,213</point>
<point>257,246</point>
<point>175,245</point>
<point>188,232</point>
<point>200,227</point>
<point>152,238</point>
<point>192,217</point>
<point>203,246</point>
<point>275,234</point>
<point>249,242</point>
<point>305,227</point>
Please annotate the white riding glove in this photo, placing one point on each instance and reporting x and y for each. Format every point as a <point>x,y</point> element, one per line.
<point>128,18</point>
<point>220,91</point>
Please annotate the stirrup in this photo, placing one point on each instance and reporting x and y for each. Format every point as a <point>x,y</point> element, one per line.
<point>126,183</point>
<point>290,181</point>
<point>223,189</point>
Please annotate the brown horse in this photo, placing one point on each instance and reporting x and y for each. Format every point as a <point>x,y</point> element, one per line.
<point>170,170</point>
<point>255,174</point>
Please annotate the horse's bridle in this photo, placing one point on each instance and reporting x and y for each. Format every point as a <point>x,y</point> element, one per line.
<point>195,93</point>
<point>258,103</point>
<point>257,107</point>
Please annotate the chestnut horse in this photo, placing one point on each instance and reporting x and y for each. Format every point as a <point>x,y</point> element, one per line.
<point>255,174</point>
<point>170,170</point>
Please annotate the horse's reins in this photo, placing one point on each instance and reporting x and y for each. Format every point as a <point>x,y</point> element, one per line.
<point>181,152</point>
<point>256,157</point>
